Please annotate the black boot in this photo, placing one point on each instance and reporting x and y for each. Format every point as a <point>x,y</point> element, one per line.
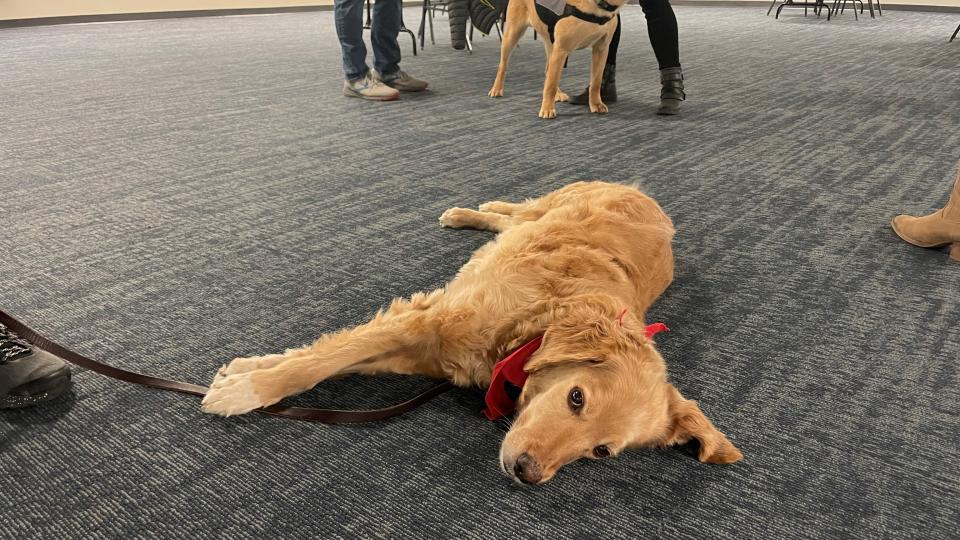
<point>671,91</point>
<point>608,88</point>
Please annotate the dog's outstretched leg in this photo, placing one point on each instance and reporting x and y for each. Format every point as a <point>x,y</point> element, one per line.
<point>275,377</point>
<point>500,207</point>
<point>464,218</point>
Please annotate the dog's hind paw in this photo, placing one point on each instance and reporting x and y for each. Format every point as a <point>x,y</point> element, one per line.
<point>230,394</point>
<point>495,92</point>
<point>562,96</point>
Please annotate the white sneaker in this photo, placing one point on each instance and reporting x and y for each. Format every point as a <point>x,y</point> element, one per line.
<point>368,87</point>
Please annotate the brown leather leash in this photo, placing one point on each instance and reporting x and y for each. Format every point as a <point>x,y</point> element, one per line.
<point>307,414</point>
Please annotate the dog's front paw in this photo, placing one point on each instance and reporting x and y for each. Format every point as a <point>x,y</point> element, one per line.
<point>252,363</point>
<point>548,111</point>
<point>599,108</point>
<point>231,394</point>
<point>562,97</point>
<point>454,218</point>
<point>495,91</point>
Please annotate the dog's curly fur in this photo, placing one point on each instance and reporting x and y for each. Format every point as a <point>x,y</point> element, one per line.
<point>563,266</point>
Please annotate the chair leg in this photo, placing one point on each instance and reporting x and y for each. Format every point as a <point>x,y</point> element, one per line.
<point>771,7</point>
<point>879,9</point>
<point>403,28</point>
<point>422,31</point>
<point>469,37</point>
<point>955,32</point>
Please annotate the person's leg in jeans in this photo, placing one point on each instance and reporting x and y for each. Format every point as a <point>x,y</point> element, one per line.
<point>348,15</point>
<point>386,49</point>
<point>664,37</point>
<point>383,37</point>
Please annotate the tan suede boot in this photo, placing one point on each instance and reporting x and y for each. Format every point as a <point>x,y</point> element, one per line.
<point>940,228</point>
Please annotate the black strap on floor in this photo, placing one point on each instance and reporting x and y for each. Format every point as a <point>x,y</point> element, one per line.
<point>324,416</point>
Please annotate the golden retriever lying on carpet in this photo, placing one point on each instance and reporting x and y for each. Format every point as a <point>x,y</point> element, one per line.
<point>579,267</point>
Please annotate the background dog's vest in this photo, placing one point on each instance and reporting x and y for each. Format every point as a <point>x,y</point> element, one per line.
<point>550,12</point>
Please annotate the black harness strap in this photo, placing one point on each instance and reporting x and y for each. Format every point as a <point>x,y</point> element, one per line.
<point>551,19</point>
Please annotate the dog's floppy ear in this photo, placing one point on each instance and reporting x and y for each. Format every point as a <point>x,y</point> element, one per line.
<point>576,337</point>
<point>687,422</point>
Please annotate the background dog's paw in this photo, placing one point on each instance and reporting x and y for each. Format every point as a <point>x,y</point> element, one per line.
<point>454,218</point>
<point>562,96</point>
<point>548,112</point>
<point>230,394</point>
<point>599,109</point>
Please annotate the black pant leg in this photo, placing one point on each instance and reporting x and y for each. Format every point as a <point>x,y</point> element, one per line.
<point>662,28</point>
<point>614,45</point>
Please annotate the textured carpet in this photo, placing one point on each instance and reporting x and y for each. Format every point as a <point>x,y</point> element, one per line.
<point>179,192</point>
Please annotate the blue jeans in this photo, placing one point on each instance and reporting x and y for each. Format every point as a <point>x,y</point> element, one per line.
<point>348,15</point>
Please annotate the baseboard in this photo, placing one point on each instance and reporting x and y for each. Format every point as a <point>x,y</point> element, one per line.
<point>78,19</point>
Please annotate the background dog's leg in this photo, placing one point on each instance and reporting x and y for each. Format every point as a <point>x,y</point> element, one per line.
<point>464,218</point>
<point>516,26</point>
<point>548,108</point>
<point>399,329</point>
<point>548,47</point>
<point>599,59</point>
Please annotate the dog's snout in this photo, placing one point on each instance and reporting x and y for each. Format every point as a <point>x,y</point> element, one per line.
<point>527,470</point>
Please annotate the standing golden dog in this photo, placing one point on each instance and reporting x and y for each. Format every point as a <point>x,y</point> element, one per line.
<point>571,33</point>
<point>563,267</point>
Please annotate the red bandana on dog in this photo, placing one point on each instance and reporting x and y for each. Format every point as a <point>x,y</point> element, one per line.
<point>509,377</point>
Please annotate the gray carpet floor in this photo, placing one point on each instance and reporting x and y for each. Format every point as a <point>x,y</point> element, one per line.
<point>176,193</point>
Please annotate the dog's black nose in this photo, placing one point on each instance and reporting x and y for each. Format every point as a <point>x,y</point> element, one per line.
<point>527,470</point>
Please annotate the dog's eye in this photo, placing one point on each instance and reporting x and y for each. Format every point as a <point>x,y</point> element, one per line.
<point>601,451</point>
<point>575,399</point>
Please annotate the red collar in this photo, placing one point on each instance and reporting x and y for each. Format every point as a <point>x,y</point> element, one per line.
<point>508,377</point>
